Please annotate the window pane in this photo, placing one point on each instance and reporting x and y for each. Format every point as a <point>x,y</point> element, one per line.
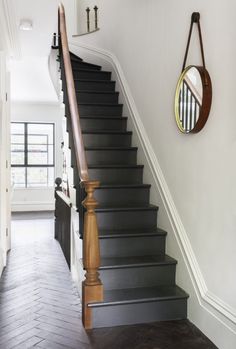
<point>40,155</point>
<point>40,151</point>
<point>18,177</point>
<point>17,144</point>
<point>17,128</point>
<point>17,158</point>
<point>38,139</point>
<point>40,177</point>
<point>43,130</point>
<point>40,144</point>
<point>17,139</point>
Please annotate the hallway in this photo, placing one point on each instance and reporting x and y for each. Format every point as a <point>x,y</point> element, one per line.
<point>39,306</point>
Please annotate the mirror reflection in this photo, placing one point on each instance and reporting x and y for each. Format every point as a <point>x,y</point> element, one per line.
<point>189,99</point>
<point>86,12</point>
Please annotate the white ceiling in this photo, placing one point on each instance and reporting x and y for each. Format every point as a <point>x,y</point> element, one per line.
<point>30,78</point>
<point>43,14</point>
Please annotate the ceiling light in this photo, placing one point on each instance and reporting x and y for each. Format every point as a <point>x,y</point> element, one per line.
<point>26,24</point>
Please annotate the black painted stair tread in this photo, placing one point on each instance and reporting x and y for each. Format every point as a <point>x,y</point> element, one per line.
<point>126,209</point>
<point>104,123</point>
<point>78,91</point>
<point>101,116</point>
<point>98,81</point>
<point>142,294</point>
<point>121,186</point>
<point>100,109</point>
<point>103,234</point>
<point>105,117</point>
<point>112,132</point>
<point>75,69</point>
<point>115,166</point>
<point>134,262</point>
<point>108,148</point>
<point>89,74</point>
<point>85,65</point>
<point>126,186</point>
<point>94,82</point>
<point>101,104</point>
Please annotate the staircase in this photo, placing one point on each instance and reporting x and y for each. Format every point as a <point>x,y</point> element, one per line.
<point>138,277</point>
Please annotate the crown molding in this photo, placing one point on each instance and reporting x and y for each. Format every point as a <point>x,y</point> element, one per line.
<point>9,29</point>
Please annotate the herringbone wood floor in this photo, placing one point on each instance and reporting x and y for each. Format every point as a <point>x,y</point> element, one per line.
<point>39,306</point>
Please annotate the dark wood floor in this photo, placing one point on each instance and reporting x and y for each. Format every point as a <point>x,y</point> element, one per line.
<point>40,308</point>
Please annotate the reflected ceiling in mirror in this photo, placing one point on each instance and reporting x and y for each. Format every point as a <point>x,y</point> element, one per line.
<point>193,99</point>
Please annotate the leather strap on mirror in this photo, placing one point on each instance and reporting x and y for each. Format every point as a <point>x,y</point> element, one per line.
<point>194,19</point>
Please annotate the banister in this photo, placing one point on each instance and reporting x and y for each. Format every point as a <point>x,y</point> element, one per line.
<point>92,288</point>
<point>74,112</point>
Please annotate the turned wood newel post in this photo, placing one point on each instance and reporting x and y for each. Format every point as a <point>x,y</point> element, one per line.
<point>58,187</point>
<point>92,286</point>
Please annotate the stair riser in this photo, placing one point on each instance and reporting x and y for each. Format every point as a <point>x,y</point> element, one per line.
<point>103,124</point>
<point>91,75</point>
<point>106,140</point>
<point>100,110</point>
<point>117,175</point>
<point>95,85</point>
<point>123,197</point>
<point>84,97</point>
<point>138,277</point>
<point>118,157</point>
<point>138,313</point>
<point>132,246</point>
<point>82,65</point>
<point>127,219</point>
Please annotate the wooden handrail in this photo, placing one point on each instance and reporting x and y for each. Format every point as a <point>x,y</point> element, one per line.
<point>74,112</point>
<point>64,198</point>
<point>92,288</point>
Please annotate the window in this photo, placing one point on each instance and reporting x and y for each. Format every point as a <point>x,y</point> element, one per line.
<point>32,154</point>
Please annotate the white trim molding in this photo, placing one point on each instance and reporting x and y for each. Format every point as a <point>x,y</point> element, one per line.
<point>215,307</point>
<point>9,28</point>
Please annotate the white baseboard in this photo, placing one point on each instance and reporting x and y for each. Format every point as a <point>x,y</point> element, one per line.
<point>23,206</point>
<point>221,314</point>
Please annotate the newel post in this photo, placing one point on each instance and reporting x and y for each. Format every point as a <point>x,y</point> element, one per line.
<point>92,288</point>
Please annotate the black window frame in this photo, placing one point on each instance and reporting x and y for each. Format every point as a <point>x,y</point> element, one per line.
<point>26,165</point>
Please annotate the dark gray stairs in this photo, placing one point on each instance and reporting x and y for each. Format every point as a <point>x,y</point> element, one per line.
<point>140,305</point>
<point>138,277</point>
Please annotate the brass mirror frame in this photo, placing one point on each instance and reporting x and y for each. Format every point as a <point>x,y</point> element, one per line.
<point>206,99</point>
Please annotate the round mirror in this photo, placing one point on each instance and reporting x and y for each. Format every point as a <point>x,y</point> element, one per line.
<point>193,99</point>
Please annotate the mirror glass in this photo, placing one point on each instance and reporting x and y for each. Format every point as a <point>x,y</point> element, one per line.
<point>87,17</point>
<point>189,99</point>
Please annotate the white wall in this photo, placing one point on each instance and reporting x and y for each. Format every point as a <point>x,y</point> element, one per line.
<point>148,38</point>
<point>30,81</point>
<point>39,198</point>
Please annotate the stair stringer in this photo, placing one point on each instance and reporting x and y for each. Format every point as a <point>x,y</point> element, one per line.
<point>205,310</point>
